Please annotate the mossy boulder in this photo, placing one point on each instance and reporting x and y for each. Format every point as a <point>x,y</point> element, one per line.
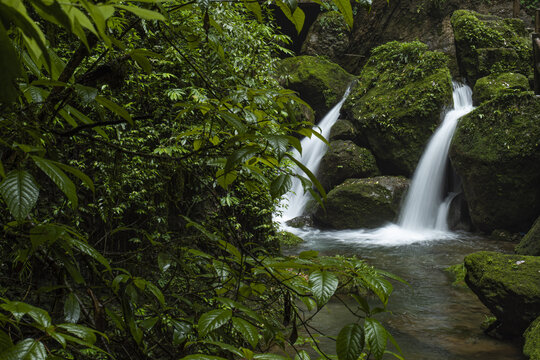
<point>530,244</point>
<point>328,36</point>
<point>344,160</point>
<point>491,86</point>
<point>487,44</point>
<point>496,152</point>
<point>531,348</point>
<point>509,286</point>
<point>287,239</point>
<point>343,130</point>
<point>362,203</point>
<point>319,82</point>
<point>398,102</point>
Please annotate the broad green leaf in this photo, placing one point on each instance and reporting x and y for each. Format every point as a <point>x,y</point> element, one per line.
<point>85,333</point>
<point>143,13</point>
<point>115,108</point>
<point>181,330</point>
<point>224,180</point>
<point>311,176</point>
<point>86,94</point>
<point>72,310</point>
<point>296,16</point>
<point>19,309</point>
<point>45,234</point>
<point>323,285</point>
<point>143,62</point>
<point>308,254</point>
<point>280,185</point>
<point>224,346</point>
<point>10,66</point>
<point>239,156</point>
<point>27,349</point>
<point>248,330</point>
<point>78,173</point>
<point>88,250</point>
<point>243,308</point>
<point>255,8</point>
<point>270,357</point>
<point>345,9</point>
<point>202,357</point>
<point>20,193</point>
<point>5,341</point>
<point>380,287</point>
<point>350,342</point>
<point>2,171</point>
<point>156,292</point>
<point>302,355</point>
<point>164,261</point>
<point>376,337</point>
<point>213,320</point>
<point>61,180</point>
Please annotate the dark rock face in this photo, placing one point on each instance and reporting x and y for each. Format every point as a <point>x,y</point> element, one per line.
<point>491,86</point>
<point>343,130</point>
<point>398,101</point>
<point>328,37</point>
<point>318,82</point>
<point>487,44</point>
<point>345,160</point>
<point>509,286</point>
<point>530,244</point>
<point>531,349</point>
<point>362,203</point>
<point>496,152</point>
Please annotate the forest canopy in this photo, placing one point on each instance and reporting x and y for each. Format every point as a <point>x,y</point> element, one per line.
<point>144,146</point>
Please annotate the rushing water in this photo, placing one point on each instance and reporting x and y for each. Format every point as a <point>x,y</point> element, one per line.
<point>313,149</point>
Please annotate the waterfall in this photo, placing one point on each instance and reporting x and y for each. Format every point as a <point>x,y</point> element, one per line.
<point>313,149</point>
<point>424,207</point>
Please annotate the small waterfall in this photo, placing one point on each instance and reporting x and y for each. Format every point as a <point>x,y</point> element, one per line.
<point>313,149</point>
<point>424,207</point>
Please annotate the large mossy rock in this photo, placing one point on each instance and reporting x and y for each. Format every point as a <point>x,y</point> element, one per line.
<point>491,86</point>
<point>508,285</point>
<point>531,348</point>
<point>398,102</point>
<point>343,130</point>
<point>496,153</point>
<point>530,244</point>
<point>319,82</point>
<point>487,44</point>
<point>328,36</point>
<point>362,203</point>
<point>345,160</point>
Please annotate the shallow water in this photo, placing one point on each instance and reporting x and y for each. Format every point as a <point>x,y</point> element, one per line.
<point>431,319</point>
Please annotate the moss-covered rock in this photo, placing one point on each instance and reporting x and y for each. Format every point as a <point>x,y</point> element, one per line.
<point>344,160</point>
<point>362,203</point>
<point>508,285</point>
<point>319,82</point>
<point>287,239</point>
<point>328,36</point>
<point>530,244</point>
<point>496,152</point>
<point>531,348</point>
<point>487,44</point>
<point>491,86</point>
<point>343,130</point>
<point>398,102</point>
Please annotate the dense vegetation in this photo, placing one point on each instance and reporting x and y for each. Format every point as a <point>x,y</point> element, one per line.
<point>143,149</point>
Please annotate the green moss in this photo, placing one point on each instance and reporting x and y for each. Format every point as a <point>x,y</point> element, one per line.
<point>530,244</point>
<point>458,274</point>
<point>491,86</point>
<point>532,341</point>
<point>319,82</point>
<point>397,103</point>
<point>343,130</point>
<point>487,44</point>
<point>287,239</point>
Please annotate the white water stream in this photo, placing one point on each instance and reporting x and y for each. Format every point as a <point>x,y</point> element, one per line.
<point>425,210</point>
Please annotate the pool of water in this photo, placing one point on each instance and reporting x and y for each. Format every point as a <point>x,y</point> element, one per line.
<point>431,319</point>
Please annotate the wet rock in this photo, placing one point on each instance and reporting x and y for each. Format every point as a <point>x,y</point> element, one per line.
<point>343,130</point>
<point>345,160</point>
<point>319,82</point>
<point>496,152</point>
<point>531,348</point>
<point>530,244</point>
<point>487,44</point>
<point>508,285</point>
<point>328,37</point>
<point>491,86</point>
<point>398,101</point>
<point>362,203</point>
<point>300,221</point>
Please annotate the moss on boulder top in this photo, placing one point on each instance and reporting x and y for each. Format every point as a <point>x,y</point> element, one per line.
<point>344,160</point>
<point>397,104</point>
<point>319,82</point>
<point>487,44</point>
<point>491,86</point>
<point>508,285</point>
<point>328,36</point>
<point>343,130</point>
<point>531,348</point>
<point>530,244</point>
<point>496,152</point>
<point>362,203</point>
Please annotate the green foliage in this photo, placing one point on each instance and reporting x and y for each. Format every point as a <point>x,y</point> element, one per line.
<point>164,112</point>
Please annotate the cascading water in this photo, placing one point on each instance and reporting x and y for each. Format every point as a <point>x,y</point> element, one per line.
<point>313,149</point>
<point>424,207</point>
